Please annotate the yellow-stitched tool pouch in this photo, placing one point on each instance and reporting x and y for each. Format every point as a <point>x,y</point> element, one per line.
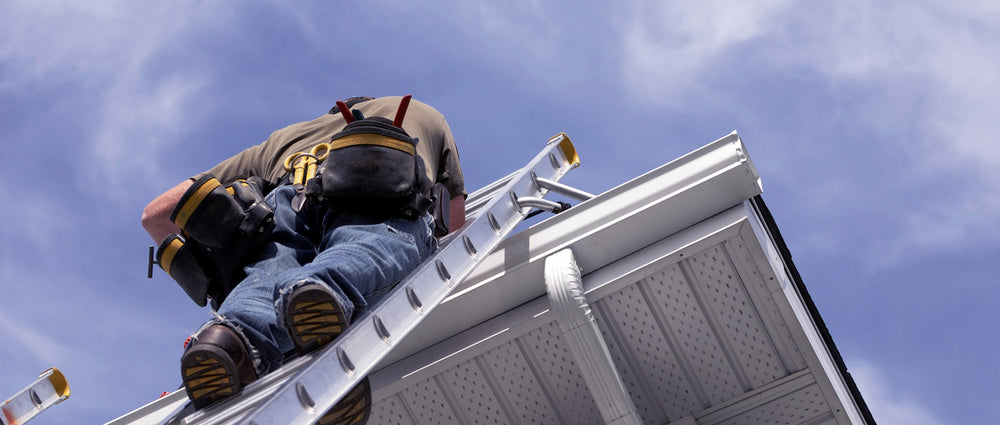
<point>371,158</point>
<point>187,266</point>
<point>223,225</point>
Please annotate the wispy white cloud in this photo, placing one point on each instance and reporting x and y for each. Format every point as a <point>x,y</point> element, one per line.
<point>938,59</point>
<point>31,341</point>
<point>106,48</point>
<point>668,46</point>
<point>888,404</point>
<point>137,127</point>
<point>939,73</point>
<point>932,68</point>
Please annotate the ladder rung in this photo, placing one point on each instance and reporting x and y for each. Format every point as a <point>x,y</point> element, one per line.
<point>479,198</point>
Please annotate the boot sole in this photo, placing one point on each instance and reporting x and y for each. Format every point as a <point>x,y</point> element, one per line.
<point>354,408</point>
<point>209,375</point>
<point>314,319</point>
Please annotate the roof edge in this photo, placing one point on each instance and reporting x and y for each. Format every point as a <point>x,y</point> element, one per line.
<point>772,229</point>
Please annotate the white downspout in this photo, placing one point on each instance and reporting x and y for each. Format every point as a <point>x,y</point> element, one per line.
<point>564,286</point>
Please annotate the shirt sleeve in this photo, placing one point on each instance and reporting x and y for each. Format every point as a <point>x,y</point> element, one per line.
<point>241,165</point>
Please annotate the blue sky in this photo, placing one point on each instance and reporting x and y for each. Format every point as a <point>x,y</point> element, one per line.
<point>872,125</point>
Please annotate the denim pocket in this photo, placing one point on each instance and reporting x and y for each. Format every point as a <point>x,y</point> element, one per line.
<point>400,233</point>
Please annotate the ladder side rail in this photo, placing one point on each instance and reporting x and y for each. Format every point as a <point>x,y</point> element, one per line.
<point>479,198</point>
<point>332,371</point>
<point>475,202</point>
<point>232,409</point>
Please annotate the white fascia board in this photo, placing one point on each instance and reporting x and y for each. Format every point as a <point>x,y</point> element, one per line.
<point>818,356</point>
<point>600,231</point>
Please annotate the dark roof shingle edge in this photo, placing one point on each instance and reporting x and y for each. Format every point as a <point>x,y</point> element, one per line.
<point>786,254</point>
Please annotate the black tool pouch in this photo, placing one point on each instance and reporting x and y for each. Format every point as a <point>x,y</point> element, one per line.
<point>372,166</point>
<point>201,272</point>
<point>223,226</point>
<point>217,216</point>
<point>258,218</point>
<point>185,266</point>
<point>208,212</point>
<point>370,159</point>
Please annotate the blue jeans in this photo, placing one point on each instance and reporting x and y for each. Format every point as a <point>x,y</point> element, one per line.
<point>359,256</point>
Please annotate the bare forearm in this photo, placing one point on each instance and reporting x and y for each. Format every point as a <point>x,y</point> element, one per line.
<point>156,215</point>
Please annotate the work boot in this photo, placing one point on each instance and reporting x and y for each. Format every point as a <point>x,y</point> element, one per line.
<point>215,365</point>
<point>353,409</point>
<point>314,317</point>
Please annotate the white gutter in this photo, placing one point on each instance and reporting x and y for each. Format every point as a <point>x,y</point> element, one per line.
<point>599,231</point>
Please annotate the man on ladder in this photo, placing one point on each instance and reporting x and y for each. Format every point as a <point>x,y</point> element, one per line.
<point>309,228</point>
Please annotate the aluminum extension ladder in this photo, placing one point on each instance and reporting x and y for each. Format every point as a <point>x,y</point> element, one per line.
<point>302,390</point>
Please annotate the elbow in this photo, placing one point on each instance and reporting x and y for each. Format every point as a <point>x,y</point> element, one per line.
<point>156,216</point>
<point>148,219</point>
<point>156,220</point>
<point>152,223</point>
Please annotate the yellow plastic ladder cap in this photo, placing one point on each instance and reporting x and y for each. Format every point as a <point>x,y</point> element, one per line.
<point>567,148</point>
<point>59,383</point>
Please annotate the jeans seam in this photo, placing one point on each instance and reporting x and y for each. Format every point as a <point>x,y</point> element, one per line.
<point>401,234</point>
